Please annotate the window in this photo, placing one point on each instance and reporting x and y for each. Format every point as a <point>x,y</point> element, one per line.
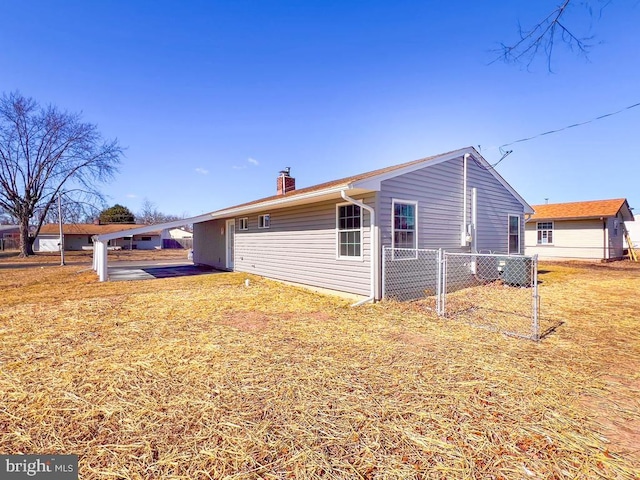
<point>404,224</point>
<point>545,233</point>
<point>264,221</point>
<point>145,239</point>
<point>244,224</point>
<point>514,234</point>
<point>616,226</point>
<point>349,223</point>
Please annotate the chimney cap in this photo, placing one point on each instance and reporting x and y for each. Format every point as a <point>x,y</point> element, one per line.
<point>286,171</point>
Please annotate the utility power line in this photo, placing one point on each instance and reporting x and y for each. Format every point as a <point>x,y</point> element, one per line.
<point>505,153</point>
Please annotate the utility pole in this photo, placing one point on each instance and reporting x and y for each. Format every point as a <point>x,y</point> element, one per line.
<point>61,233</point>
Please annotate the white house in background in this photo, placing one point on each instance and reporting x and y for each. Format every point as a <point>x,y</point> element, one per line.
<point>79,236</point>
<point>177,238</point>
<point>331,235</point>
<point>592,230</point>
<point>634,233</point>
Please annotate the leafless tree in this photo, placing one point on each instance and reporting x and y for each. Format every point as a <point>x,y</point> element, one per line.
<point>43,152</point>
<point>150,215</point>
<point>545,35</point>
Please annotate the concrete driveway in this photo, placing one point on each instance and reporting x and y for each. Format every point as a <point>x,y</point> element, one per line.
<point>145,270</point>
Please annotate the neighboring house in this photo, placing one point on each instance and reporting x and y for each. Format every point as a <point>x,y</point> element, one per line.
<point>177,238</point>
<point>9,237</point>
<point>331,235</point>
<point>78,236</point>
<point>592,230</point>
<point>634,233</point>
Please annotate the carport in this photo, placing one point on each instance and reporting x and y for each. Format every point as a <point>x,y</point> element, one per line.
<point>100,242</point>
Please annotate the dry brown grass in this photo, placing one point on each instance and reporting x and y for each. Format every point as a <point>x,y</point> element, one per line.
<point>202,377</point>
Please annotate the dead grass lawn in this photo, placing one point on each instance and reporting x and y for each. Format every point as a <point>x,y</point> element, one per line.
<point>202,377</point>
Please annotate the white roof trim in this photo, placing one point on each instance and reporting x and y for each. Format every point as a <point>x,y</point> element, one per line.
<point>374,183</point>
<point>369,184</point>
<point>152,228</point>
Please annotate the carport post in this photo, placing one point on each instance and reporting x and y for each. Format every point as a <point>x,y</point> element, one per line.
<point>102,261</point>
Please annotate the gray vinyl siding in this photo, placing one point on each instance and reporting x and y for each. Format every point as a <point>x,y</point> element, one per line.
<point>438,189</point>
<point>300,246</point>
<point>209,246</point>
<point>495,204</point>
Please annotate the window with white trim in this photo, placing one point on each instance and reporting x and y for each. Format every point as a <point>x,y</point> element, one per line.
<point>514,235</point>
<point>244,224</point>
<point>349,230</point>
<point>264,221</point>
<point>404,224</point>
<point>545,233</point>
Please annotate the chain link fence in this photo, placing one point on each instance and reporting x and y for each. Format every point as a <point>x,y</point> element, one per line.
<point>498,292</point>
<point>410,274</point>
<point>493,291</point>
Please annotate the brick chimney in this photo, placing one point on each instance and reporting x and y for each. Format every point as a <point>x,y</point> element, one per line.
<point>285,182</point>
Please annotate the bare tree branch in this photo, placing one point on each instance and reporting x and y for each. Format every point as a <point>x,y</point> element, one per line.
<point>45,152</point>
<point>543,37</point>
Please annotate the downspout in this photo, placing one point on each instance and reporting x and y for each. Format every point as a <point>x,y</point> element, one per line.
<point>463,235</point>
<point>374,246</point>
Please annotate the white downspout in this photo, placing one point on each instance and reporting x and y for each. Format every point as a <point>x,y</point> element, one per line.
<point>463,234</point>
<point>374,246</point>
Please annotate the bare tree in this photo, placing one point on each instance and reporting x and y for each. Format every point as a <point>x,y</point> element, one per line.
<point>544,36</point>
<point>43,152</point>
<point>150,215</point>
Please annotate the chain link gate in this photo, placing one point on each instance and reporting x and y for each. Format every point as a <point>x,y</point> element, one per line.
<point>498,292</point>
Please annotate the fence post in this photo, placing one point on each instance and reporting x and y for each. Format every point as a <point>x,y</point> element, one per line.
<point>534,279</point>
<point>439,283</point>
<point>443,288</point>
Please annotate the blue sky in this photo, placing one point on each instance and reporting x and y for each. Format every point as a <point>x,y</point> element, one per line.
<point>211,99</point>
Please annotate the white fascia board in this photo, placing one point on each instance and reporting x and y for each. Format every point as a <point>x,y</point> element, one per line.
<point>280,202</point>
<point>231,212</point>
<point>152,228</point>
<point>375,182</point>
<point>528,209</point>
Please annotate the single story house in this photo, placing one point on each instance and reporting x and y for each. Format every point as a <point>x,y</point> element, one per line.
<point>79,236</point>
<point>592,230</point>
<point>331,235</point>
<point>177,238</point>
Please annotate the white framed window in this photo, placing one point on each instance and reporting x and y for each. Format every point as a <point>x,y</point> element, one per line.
<point>616,226</point>
<point>244,224</point>
<point>264,221</point>
<point>545,233</point>
<point>349,231</point>
<point>404,227</point>
<point>514,235</point>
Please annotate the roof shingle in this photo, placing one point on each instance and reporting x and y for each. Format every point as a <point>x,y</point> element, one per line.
<point>575,210</point>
